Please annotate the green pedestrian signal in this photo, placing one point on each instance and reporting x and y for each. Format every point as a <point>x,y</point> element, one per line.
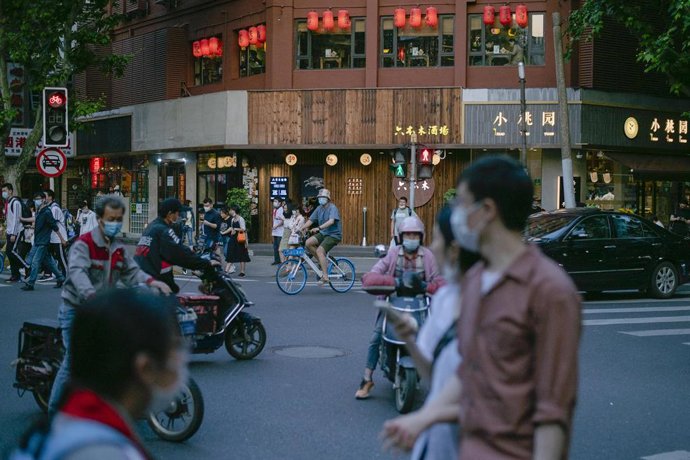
<point>400,170</point>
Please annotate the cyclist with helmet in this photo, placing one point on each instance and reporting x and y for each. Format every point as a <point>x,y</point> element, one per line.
<point>327,233</point>
<point>409,267</point>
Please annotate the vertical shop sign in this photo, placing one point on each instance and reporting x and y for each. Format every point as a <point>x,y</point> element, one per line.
<point>279,187</point>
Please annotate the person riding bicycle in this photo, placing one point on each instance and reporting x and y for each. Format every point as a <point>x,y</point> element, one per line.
<point>411,268</point>
<point>327,233</point>
<point>159,247</point>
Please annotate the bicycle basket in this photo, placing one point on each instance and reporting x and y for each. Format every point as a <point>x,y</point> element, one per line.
<point>187,320</point>
<point>299,252</point>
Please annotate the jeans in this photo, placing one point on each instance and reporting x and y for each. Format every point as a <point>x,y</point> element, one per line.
<point>57,250</point>
<point>41,255</point>
<point>375,343</point>
<point>65,318</point>
<point>276,247</point>
<point>188,234</point>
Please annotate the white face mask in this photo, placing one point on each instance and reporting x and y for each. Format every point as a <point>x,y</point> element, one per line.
<point>467,238</point>
<point>207,208</point>
<point>5,195</point>
<point>323,201</point>
<point>410,245</point>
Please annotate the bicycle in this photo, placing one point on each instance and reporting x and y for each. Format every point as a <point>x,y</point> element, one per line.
<point>291,275</point>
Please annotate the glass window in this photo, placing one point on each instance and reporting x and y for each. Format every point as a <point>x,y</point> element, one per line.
<point>592,228</point>
<point>423,46</point>
<point>627,227</point>
<point>207,69</point>
<point>331,49</point>
<point>253,60</point>
<point>496,45</point>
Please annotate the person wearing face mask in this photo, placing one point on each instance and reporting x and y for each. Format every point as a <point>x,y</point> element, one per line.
<point>399,214</point>
<point>518,333</point>
<point>14,231</point>
<point>327,233</point>
<point>159,248</point>
<point>86,218</point>
<point>97,261</point>
<point>409,267</point>
<point>277,229</point>
<point>44,226</point>
<point>210,225</point>
<point>128,358</point>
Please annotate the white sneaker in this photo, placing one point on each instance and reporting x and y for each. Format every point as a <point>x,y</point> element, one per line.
<point>232,269</point>
<point>46,279</point>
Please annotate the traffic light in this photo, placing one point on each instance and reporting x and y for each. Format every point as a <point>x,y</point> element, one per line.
<point>425,156</point>
<point>55,117</point>
<point>399,156</point>
<point>400,170</point>
<point>425,171</point>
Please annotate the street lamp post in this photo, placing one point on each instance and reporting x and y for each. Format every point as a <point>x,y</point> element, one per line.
<point>413,168</point>
<point>523,110</point>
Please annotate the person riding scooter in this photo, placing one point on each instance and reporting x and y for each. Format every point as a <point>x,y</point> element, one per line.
<point>411,269</point>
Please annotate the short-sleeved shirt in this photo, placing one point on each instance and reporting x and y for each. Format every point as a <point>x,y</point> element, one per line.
<point>278,222</point>
<point>324,213</point>
<point>399,215</point>
<point>519,344</point>
<point>212,216</point>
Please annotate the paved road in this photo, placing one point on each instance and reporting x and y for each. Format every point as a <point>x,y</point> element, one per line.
<point>633,400</point>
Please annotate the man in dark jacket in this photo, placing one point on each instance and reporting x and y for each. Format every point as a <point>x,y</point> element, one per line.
<point>45,224</point>
<point>159,247</point>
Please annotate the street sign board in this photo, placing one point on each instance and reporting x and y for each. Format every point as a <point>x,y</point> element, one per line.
<point>278,187</point>
<point>51,162</point>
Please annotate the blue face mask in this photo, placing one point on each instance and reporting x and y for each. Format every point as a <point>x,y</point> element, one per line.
<point>323,201</point>
<point>111,228</point>
<point>410,245</point>
<point>38,203</point>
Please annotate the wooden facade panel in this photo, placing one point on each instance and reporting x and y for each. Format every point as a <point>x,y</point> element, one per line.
<point>354,117</point>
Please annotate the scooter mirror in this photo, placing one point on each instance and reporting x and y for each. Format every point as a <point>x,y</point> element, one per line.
<point>380,250</point>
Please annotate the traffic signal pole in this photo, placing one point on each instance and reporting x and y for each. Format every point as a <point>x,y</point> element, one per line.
<point>413,168</point>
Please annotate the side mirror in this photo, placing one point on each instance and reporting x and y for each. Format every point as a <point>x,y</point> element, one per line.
<point>380,251</point>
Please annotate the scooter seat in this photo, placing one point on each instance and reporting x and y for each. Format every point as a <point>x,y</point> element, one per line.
<point>187,297</point>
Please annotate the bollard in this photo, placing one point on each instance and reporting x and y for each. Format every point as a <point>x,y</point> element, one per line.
<point>364,238</point>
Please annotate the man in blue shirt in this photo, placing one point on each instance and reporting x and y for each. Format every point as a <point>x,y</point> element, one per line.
<point>45,224</point>
<point>327,233</point>
<point>212,221</point>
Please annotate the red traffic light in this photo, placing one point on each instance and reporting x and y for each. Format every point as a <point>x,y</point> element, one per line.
<point>56,100</point>
<point>425,157</point>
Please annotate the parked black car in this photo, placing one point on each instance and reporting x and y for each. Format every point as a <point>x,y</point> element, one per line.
<point>604,250</point>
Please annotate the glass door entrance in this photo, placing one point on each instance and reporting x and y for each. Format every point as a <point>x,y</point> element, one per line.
<point>171,180</point>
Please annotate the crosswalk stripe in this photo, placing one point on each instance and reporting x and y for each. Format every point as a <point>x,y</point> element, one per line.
<point>657,332</point>
<point>634,310</point>
<point>657,319</point>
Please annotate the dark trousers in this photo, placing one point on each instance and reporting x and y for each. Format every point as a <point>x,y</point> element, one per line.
<point>58,253</point>
<point>276,248</point>
<point>16,252</point>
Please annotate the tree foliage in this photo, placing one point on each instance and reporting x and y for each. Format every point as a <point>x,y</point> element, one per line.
<point>662,29</point>
<point>52,40</point>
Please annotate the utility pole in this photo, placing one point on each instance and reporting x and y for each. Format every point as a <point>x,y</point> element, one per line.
<point>566,157</point>
<point>523,110</point>
<point>413,168</point>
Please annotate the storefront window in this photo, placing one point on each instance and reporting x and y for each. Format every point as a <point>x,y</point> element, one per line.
<point>424,46</point>
<point>497,45</point>
<point>208,70</point>
<point>252,60</point>
<point>334,49</point>
<point>217,173</point>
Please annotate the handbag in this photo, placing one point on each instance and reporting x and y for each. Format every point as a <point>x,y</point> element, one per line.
<point>241,237</point>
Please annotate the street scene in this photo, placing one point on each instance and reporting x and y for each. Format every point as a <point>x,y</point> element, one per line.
<point>454,230</point>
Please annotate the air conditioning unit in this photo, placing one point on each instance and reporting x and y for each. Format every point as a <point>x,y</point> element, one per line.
<point>136,7</point>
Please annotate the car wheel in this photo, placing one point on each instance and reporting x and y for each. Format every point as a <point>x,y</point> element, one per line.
<point>664,281</point>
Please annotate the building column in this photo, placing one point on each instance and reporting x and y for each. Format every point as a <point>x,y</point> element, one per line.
<point>153,189</point>
<point>190,178</point>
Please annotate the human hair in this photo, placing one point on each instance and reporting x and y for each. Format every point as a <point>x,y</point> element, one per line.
<point>111,330</point>
<point>225,210</point>
<point>167,206</point>
<point>8,186</point>
<point>39,194</point>
<point>50,193</point>
<point>443,222</point>
<point>109,201</point>
<point>235,208</point>
<point>207,200</point>
<point>403,198</point>
<point>505,181</point>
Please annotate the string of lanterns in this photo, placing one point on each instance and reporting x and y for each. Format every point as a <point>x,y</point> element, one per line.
<point>207,47</point>
<point>400,16</point>
<point>328,20</point>
<point>505,16</point>
<point>255,35</point>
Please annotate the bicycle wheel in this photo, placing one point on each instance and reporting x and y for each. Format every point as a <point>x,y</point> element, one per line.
<point>291,276</point>
<point>341,274</point>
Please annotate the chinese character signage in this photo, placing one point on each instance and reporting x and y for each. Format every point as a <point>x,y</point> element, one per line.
<point>671,132</point>
<point>17,139</point>
<point>421,130</point>
<point>279,187</point>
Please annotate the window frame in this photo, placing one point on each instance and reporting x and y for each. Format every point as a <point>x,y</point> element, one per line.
<point>309,58</point>
<point>528,53</point>
<point>440,55</point>
<point>199,61</point>
<point>246,52</point>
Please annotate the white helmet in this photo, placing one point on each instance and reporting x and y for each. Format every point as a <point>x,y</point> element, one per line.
<point>411,224</point>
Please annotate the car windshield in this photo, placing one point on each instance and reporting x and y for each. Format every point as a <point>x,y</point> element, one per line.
<point>545,226</point>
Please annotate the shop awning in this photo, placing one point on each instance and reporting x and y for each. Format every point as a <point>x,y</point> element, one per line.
<point>650,166</point>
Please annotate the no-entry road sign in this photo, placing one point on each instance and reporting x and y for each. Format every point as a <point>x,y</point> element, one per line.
<point>51,162</point>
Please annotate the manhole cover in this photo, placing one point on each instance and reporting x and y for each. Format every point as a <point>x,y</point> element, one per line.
<point>309,352</point>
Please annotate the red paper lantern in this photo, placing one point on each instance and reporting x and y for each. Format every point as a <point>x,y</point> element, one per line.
<point>196,49</point>
<point>399,17</point>
<point>431,16</point>
<point>489,15</point>
<point>219,50</point>
<point>312,20</point>
<point>204,47</point>
<point>416,17</point>
<point>521,15</point>
<point>344,19</point>
<point>504,15</point>
<point>261,30</point>
<point>213,46</point>
<point>328,22</point>
<point>253,36</point>
<point>243,40</point>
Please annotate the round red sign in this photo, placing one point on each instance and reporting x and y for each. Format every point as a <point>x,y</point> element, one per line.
<point>51,162</point>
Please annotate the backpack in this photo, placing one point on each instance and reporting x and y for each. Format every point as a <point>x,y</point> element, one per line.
<point>69,223</point>
<point>26,211</point>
